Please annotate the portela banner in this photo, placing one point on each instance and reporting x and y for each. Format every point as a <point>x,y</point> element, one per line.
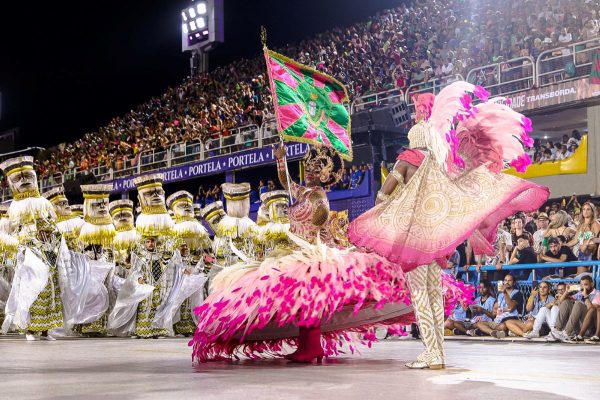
<point>217,165</point>
<point>559,93</point>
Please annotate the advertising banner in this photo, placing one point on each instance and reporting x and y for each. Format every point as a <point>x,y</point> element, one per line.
<point>217,165</point>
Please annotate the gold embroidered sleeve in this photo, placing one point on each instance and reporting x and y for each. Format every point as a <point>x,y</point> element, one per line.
<point>320,206</point>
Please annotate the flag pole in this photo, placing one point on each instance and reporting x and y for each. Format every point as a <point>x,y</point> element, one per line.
<point>263,40</point>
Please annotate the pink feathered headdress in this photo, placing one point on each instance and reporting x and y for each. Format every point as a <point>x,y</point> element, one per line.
<point>423,105</point>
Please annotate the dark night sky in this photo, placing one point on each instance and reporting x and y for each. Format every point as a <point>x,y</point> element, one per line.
<point>66,69</point>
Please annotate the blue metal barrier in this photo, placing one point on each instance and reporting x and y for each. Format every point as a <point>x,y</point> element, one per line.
<point>526,285</point>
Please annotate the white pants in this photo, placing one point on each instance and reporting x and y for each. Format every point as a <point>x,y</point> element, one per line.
<point>545,315</point>
<point>425,284</point>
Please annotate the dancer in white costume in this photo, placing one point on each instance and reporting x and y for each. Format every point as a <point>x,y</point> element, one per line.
<point>96,236</point>
<point>67,222</point>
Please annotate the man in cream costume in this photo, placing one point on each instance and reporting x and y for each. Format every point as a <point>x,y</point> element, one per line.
<point>8,252</point>
<point>193,242</point>
<point>187,227</point>
<point>34,304</point>
<point>96,236</point>
<point>67,222</point>
<point>273,220</point>
<point>213,214</point>
<point>152,259</point>
<point>236,224</point>
<point>126,238</point>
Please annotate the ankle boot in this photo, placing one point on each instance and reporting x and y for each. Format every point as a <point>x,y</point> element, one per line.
<point>301,343</point>
<point>311,348</point>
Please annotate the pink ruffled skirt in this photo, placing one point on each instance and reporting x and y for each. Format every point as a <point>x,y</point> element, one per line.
<point>349,293</point>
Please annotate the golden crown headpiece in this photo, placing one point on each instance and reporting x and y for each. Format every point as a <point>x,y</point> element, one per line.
<point>327,162</point>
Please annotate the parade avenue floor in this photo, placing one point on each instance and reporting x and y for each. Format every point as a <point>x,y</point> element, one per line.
<point>161,369</point>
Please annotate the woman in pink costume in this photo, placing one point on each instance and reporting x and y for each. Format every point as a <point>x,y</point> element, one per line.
<point>311,296</point>
<point>446,188</point>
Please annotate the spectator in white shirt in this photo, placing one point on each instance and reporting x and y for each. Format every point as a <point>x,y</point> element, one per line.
<point>447,68</point>
<point>538,237</point>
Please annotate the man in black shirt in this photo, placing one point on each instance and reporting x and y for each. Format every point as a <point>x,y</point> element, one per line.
<point>523,254</point>
<point>559,253</point>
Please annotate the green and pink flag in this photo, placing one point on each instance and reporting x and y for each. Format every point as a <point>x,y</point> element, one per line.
<point>309,105</point>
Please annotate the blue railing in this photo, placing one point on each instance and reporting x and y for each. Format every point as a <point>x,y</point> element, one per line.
<point>526,285</point>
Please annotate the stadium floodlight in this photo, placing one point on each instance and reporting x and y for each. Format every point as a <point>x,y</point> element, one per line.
<point>202,23</point>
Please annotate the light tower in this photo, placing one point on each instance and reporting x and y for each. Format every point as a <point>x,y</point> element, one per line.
<point>201,30</point>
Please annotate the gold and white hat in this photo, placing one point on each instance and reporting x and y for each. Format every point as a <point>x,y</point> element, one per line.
<point>28,206</point>
<point>77,209</point>
<point>153,220</point>
<point>126,236</point>
<point>213,213</point>
<point>237,197</point>
<point>97,230</point>
<point>16,165</point>
<point>148,180</point>
<point>117,206</point>
<point>55,194</point>
<point>188,229</point>
<point>176,197</point>
<point>274,196</point>
<point>270,199</point>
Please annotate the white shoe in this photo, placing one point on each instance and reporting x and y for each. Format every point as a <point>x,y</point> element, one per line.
<point>550,339</point>
<point>49,338</point>
<point>531,335</point>
<point>30,337</point>
<point>435,363</point>
<point>561,336</point>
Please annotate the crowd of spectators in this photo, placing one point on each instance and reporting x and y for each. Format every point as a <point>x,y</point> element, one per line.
<point>412,44</point>
<point>351,178</point>
<point>567,311</point>
<point>547,150</point>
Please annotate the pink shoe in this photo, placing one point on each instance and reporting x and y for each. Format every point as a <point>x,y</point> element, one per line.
<point>309,347</point>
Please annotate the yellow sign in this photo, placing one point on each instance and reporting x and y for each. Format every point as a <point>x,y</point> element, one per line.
<point>576,164</point>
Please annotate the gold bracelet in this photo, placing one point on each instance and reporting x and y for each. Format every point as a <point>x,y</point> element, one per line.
<point>382,196</point>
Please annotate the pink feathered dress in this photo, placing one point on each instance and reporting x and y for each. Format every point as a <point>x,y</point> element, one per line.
<point>256,308</point>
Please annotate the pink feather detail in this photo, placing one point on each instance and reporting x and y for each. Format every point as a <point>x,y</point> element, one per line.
<point>492,135</point>
<point>304,291</point>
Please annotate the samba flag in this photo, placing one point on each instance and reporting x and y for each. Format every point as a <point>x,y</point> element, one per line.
<point>309,105</point>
